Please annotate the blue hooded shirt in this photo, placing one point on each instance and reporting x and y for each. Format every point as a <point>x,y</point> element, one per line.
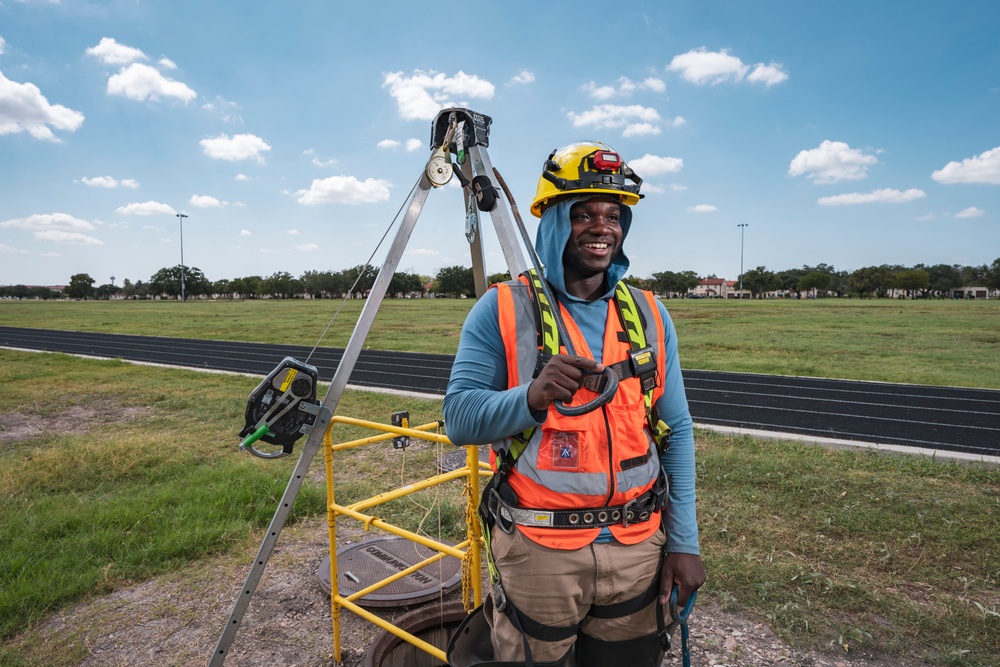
<point>479,408</point>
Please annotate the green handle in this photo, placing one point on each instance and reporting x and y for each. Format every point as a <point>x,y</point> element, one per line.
<point>254,437</point>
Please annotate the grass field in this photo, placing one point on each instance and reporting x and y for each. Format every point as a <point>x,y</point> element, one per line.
<point>111,473</point>
<point>953,343</point>
<point>836,550</point>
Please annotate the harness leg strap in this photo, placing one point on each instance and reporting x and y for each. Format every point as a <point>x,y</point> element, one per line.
<point>645,651</point>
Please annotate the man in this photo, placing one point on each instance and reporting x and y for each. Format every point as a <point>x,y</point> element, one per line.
<point>591,564</point>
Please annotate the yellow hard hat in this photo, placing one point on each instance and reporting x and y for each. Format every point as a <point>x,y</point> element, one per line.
<point>587,168</point>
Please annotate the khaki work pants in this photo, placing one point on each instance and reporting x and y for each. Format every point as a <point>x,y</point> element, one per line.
<point>557,587</point>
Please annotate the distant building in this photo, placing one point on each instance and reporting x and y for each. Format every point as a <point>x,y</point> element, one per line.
<point>718,288</point>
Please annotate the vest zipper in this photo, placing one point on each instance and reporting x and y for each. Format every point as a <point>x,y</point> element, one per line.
<point>611,458</point>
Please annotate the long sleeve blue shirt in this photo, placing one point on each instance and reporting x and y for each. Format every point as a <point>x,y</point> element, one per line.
<point>479,408</point>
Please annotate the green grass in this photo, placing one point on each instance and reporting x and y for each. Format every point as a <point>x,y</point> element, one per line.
<point>854,550</point>
<point>835,550</point>
<point>841,551</point>
<point>951,343</point>
<point>145,477</point>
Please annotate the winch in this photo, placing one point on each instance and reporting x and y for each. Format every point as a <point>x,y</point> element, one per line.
<point>282,408</point>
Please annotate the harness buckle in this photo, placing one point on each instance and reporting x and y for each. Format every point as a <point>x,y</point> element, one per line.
<point>499,597</point>
<point>495,506</point>
<point>626,508</point>
<point>643,364</point>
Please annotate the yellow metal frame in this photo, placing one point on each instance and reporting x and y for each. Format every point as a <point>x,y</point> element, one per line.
<point>469,551</point>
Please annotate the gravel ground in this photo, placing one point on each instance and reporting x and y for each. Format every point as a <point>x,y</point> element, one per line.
<point>176,620</point>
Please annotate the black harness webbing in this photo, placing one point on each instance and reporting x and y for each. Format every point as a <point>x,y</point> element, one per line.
<point>640,363</point>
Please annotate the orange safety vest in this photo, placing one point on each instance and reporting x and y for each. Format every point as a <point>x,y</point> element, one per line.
<point>604,458</point>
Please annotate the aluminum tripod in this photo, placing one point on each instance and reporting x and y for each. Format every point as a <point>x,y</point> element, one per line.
<point>456,131</point>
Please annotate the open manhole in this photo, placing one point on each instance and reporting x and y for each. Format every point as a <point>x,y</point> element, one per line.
<point>434,624</point>
<point>365,563</point>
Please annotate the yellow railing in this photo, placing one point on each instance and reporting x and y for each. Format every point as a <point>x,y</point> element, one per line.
<point>469,551</point>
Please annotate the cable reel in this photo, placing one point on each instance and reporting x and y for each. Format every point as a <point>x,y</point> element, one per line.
<point>281,409</point>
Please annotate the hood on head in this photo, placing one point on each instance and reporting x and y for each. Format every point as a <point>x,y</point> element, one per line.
<point>553,234</point>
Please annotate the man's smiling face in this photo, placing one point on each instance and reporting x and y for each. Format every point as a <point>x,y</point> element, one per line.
<point>595,238</point>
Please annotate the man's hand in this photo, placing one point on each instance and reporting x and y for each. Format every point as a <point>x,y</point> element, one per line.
<point>685,570</point>
<point>559,380</point>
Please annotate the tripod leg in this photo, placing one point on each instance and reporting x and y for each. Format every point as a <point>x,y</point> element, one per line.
<point>330,401</point>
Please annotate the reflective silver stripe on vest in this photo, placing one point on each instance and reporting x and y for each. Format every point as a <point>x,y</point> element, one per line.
<point>527,334</point>
<point>639,477</point>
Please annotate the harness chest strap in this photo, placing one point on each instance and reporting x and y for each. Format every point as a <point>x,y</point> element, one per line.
<point>641,361</point>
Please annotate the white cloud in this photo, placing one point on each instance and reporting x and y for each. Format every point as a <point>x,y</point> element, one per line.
<point>111,52</point>
<point>524,76</point>
<point>702,208</point>
<point>307,247</point>
<point>206,201</point>
<point>426,252</point>
<point>654,84</point>
<point>925,217</point>
<point>640,130</point>
<point>884,195</point>
<point>241,177</point>
<point>3,45</point>
<point>292,232</point>
<point>413,144</point>
<point>648,188</point>
<point>971,212</point>
<point>623,86</point>
<point>703,67</point>
<point>344,190</point>
<point>654,165</point>
<point>246,232</point>
<point>983,168</point>
<point>636,119</point>
<point>167,63</point>
<point>109,182</point>
<point>831,162</point>
<point>48,221</point>
<point>769,75</point>
<point>74,238</point>
<point>421,95</point>
<point>10,250</point>
<point>100,182</point>
<point>388,143</point>
<point>678,121</point>
<point>141,82</point>
<point>23,108</point>
<point>238,147</point>
<point>677,187</point>
<point>146,208</point>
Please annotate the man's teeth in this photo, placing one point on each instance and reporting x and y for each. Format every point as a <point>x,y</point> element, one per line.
<point>597,246</point>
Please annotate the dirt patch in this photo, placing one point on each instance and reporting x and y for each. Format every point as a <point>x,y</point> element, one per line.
<point>76,419</point>
<point>177,619</point>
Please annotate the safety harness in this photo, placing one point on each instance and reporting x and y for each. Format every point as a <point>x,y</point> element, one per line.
<point>498,505</point>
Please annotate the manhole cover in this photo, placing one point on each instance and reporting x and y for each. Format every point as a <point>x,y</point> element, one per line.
<point>365,563</point>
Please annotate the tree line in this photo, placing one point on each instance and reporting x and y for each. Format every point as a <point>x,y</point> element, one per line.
<point>458,281</point>
<point>918,281</point>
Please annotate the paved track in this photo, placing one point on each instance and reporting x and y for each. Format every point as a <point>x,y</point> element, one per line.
<point>943,418</point>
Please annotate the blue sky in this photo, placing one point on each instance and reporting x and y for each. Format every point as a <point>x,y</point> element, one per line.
<point>846,133</point>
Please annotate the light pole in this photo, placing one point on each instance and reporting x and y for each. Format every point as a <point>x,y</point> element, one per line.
<point>180,217</point>
<point>742,227</point>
